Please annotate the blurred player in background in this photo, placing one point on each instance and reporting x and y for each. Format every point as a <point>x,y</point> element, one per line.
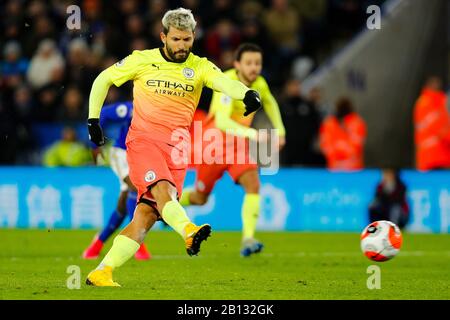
<point>120,113</point>
<point>226,115</point>
<point>168,83</point>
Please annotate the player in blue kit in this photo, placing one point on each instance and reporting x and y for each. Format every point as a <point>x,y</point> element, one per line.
<point>117,113</point>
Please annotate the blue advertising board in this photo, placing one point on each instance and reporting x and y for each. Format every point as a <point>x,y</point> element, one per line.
<point>293,199</point>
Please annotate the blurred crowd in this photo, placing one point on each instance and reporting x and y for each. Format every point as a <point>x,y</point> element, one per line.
<point>47,69</point>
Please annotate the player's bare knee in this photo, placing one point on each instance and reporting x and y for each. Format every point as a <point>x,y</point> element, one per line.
<point>203,200</point>
<point>251,185</point>
<point>145,216</point>
<point>250,181</point>
<point>199,198</point>
<point>253,188</point>
<point>151,218</point>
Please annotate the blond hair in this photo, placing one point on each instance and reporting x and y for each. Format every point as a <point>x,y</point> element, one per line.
<point>180,18</point>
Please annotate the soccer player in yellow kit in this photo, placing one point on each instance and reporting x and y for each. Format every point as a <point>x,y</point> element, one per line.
<point>167,86</point>
<point>226,114</point>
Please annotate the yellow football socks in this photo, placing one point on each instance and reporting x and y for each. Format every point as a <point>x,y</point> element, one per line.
<point>175,216</point>
<point>184,199</point>
<point>250,214</point>
<point>123,249</point>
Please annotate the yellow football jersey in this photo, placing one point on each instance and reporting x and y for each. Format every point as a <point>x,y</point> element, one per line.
<point>165,93</point>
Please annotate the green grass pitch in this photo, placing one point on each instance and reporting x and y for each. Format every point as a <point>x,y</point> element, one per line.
<point>33,265</point>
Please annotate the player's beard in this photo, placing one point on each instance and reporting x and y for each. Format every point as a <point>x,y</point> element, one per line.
<point>173,55</point>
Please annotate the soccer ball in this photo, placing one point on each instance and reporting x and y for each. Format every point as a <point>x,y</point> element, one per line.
<point>381,240</point>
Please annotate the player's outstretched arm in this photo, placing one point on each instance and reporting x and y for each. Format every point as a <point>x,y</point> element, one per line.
<point>237,90</point>
<point>222,104</point>
<point>117,74</point>
<point>98,93</point>
<point>272,109</point>
<point>97,96</point>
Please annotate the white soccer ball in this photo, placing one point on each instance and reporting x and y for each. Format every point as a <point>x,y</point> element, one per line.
<point>381,240</point>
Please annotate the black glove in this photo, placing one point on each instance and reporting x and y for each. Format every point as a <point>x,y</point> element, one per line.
<point>95,132</point>
<point>252,102</point>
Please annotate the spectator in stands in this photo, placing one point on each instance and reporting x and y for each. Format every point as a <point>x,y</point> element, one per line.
<point>302,67</point>
<point>315,96</point>
<point>154,40</point>
<point>23,109</point>
<point>157,8</point>
<point>220,9</point>
<point>226,59</point>
<point>390,200</point>
<point>250,10</point>
<point>67,152</point>
<point>11,30</point>
<point>113,96</point>
<point>135,27</point>
<point>193,5</point>
<point>110,30</point>
<point>72,109</point>
<point>46,66</point>
<point>432,127</point>
<point>139,44</point>
<point>14,67</point>
<point>224,36</point>
<point>302,121</point>
<point>253,32</point>
<point>130,7</point>
<point>8,133</point>
<point>47,99</point>
<point>315,34</point>
<point>23,102</point>
<point>78,71</point>
<point>14,10</point>
<point>283,25</point>
<point>36,8</point>
<point>346,17</point>
<point>342,137</point>
<point>42,28</point>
